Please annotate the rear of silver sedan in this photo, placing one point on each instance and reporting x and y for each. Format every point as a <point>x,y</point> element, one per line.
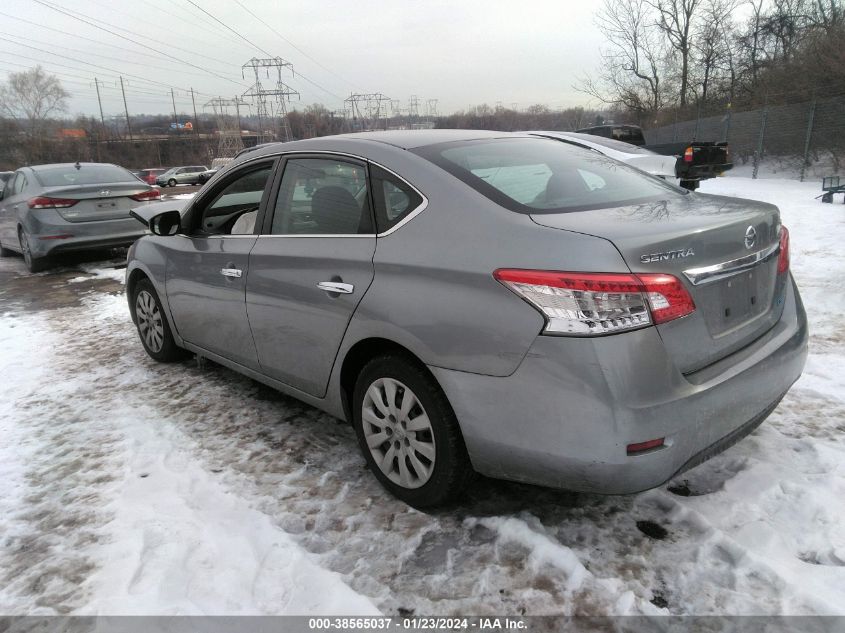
<point>82,207</point>
<point>635,376</point>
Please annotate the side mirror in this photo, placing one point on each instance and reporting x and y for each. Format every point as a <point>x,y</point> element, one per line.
<point>167,223</point>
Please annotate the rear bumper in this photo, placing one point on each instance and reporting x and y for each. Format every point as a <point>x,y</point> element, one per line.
<point>701,172</point>
<point>565,417</point>
<point>83,235</point>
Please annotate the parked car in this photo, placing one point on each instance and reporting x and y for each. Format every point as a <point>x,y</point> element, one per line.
<point>50,209</point>
<point>216,165</point>
<point>181,176</point>
<point>150,174</point>
<point>514,305</point>
<point>639,157</point>
<point>694,160</point>
<point>5,176</point>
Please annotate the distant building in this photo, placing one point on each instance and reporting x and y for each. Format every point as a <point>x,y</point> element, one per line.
<point>71,133</point>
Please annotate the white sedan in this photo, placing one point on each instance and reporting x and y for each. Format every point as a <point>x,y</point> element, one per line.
<point>646,160</point>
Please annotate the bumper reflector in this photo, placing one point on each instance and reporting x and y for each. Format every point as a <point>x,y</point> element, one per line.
<point>642,447</point>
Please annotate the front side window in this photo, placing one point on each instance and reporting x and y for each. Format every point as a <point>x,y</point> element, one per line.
<point>322,196</point>
<point>535,175</point>
<point>233,209</point>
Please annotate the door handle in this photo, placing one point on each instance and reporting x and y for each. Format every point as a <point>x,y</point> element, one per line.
<point>336,287</point>
<point>231,272</point>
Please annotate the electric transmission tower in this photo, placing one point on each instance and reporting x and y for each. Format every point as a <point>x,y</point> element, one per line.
<point>271,101</point>
<point>431,108</point>
<point>366,110</point>
<point>228,127</point>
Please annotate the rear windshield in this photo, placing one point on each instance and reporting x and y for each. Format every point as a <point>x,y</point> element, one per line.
<point>84,175</point>
<point>535,175</point>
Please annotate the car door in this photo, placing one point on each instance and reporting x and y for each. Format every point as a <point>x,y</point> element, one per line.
<point>310,268</point>
<point>207,267</point>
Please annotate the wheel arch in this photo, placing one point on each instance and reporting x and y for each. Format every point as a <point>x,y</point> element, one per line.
<point>359,355</point>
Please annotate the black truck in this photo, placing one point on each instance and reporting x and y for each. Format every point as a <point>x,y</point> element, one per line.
<point>696,160</point>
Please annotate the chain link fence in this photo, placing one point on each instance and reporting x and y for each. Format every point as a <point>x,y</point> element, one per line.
<point>807,138</point>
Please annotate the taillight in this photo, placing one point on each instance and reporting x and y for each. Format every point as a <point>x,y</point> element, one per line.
<point>688,154</point>
<point>43,202</point>
<point>152,194</point>
<point>783,255</point>
<point>590,304</point>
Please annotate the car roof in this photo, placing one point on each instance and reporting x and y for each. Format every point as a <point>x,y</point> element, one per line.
<point>403,139</point>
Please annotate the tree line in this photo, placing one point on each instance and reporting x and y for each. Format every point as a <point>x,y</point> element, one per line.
<point>690,55</point>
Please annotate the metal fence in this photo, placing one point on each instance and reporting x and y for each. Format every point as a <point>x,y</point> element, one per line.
<point>801,135</point>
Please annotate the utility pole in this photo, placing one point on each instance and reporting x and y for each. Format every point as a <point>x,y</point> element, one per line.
<point>102,118</point>
<point>99,101</point>
<point>175,117</point>
<point>196,119</point>
<point>126,109</point>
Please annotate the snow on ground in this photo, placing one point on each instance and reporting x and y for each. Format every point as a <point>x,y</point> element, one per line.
<point>132,487</point>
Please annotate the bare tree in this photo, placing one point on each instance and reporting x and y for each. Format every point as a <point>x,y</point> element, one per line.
<point>631,73</point>
<point>33,96</point>
<point>675,20</point>
<point>711,46</point>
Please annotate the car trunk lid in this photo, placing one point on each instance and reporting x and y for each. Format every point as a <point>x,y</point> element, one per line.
<point>109,201</point>
<point>724,250</point>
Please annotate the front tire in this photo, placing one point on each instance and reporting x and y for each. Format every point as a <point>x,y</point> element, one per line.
<point>408,432</point>
<point>171,182</point>
<point>153,328</point>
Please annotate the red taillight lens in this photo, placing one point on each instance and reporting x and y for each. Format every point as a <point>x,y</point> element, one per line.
<point>783,255</point>
<point>688,152</point>
<point>667,297</point>
<point>43,202</point>
<point>589,304</point>
<point>152,194</point>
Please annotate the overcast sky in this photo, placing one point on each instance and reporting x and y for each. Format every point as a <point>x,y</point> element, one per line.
<point>459,52</point>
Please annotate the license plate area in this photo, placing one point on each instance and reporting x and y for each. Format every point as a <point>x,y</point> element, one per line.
<point>106,205</point>
<point>738,299</point>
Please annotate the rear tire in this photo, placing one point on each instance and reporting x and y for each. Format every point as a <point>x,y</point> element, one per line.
<point>408,432</point>
<point>33,264</point>
<point>152,325</point>
<point>692,185</point>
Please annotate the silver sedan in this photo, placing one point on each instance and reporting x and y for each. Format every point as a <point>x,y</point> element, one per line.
<point>50,209</point>
<point>481,302</point>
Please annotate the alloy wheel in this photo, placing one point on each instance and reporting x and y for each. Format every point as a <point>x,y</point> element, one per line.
<point>149,321</point>
<point>24,241</point>
<point>398,433</point>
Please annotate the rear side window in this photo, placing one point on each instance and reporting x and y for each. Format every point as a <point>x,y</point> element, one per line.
<point>322,196</point>
<point>535,175</point>
<point>394,199</point>
<point>83,175</point>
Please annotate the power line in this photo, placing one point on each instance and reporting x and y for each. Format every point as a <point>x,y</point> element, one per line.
<point>81,37</point>
<point>253,44</point>
<point>313,83</point>
<point>117,73</point>
<point>76,50</point>
<point>173,57</point>
<point>267,24</point>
